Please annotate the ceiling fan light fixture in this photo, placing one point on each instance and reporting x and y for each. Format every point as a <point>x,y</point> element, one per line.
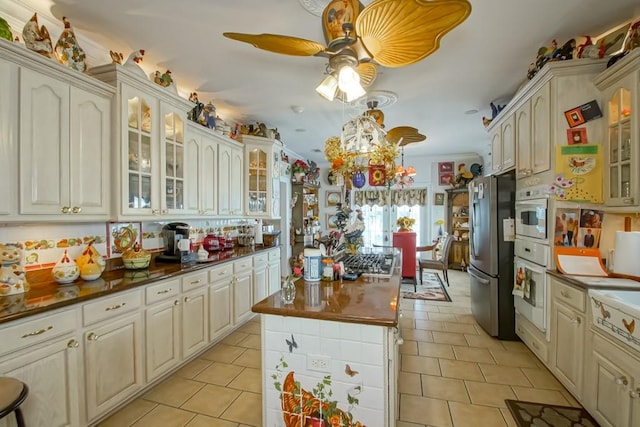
<point>328,87</point>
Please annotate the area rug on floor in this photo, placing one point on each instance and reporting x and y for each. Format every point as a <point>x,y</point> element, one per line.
<point>431,289</point>
<point>529,414</point>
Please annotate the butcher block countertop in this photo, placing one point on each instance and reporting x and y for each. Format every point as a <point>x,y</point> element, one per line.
<point>46,295</point>
<point>368,300</point>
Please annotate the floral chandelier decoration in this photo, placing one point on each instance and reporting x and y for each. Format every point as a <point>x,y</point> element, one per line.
<point>362,146</point>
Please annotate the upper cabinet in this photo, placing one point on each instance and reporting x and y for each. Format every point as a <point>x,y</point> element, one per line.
<point>525,132</point>
<point>620,86</point>
<point>262,176</point>
<point>202,149</point>
<point>230,178</point>
<point>151,160</point>
<point>63,135</point>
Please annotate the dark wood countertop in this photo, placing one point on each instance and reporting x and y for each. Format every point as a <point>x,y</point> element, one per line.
<point>367,300</point>
<point>46,294</point>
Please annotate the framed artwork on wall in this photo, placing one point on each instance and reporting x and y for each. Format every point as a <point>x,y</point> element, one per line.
<point>577,136</point>
<point>445,167</point>
<point>438,199</point>
<point>333,198</point>
<point>331,221</point>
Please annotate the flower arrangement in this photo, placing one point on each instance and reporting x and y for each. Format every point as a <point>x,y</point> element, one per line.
<point>299,166</point>
<point>295,274</point>
<point>404,222</point>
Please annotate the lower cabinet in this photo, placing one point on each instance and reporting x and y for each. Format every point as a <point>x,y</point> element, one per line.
<point>51,372</point>
<point>242,290</point>
<point>113,362</point>
<point>195,322</point>
<point>568,314</point>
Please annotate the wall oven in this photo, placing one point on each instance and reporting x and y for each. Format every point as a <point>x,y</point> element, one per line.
<point>531,213</point>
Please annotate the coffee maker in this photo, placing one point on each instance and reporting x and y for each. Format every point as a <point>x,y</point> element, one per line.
<point>177,246</point>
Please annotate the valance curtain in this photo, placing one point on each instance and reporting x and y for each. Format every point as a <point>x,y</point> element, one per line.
<point>408,197</point>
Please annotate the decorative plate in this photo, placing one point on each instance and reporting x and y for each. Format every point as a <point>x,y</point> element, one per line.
<point>581,165</point>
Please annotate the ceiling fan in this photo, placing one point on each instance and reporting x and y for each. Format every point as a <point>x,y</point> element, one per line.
<point>390,33</point>
<point>400,135</point>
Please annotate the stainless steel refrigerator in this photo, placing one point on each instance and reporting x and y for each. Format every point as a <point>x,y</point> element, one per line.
<point>492,199</point>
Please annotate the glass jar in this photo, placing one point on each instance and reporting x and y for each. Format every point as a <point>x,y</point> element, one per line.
<point>327,269</point>
<point>288,291</point>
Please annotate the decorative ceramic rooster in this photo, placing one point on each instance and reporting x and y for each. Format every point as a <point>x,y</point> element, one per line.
<point>133,62</point>
<point>163,79</point>
<point>589,50</point>
<point>37,38</point>
<point>485,121</point>
<point>463,177</point>
<point>116,57</point>
<point>68,51</point>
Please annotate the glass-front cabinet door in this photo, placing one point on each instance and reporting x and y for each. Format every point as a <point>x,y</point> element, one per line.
<point>257,185</point>
<point>622,181</point>
<point>140,166</point>
<point>173,160</point>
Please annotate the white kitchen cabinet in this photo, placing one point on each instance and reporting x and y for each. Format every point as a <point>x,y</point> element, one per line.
<point>45,354</point>
<point>273,271</point>
<point>242,290</point>
<point>230,182</point>
<point>162,328</point>
<point>202,175</point>
<point>64,148</point>
<point>260,278</point>
<point>620,86</point>
<point>195,313</point>
<point>221,283</point>
<point>151,162</point>
<point>8,139</point>
<point>612,384</point>
<point>262,176</point>
<point>533,134</point>
<point>503,150</point>
<point>568,332</point>
<point>113,362</point>
<point>113,350</point>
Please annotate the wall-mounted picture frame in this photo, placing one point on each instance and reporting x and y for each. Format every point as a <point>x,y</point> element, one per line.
<point>445,179</point>
<point>445,167</point>
<point>330,222</point>
<point>333,198</point>
<point>438,199</point>
<point>574,117</point>
<point>577,136</point>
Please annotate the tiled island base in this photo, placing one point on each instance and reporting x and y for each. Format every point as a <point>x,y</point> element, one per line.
<point>317,369</point>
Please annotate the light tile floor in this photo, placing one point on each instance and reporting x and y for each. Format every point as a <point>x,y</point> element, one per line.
<point>452,375</point>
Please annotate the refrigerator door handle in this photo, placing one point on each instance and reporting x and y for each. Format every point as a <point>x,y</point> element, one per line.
<point>480,279</point>
<point>472,242</point>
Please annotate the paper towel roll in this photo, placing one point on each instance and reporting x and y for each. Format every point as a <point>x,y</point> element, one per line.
<point>625,258</point>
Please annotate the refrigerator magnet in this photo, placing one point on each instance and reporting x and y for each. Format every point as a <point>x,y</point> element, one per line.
<point>509,229</point>
<point>481,190</point>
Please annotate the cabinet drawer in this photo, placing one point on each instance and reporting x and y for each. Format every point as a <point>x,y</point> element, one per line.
<point>36,331</point>
<point>162,291</point>
<point>106,308</point>
<point>569,295</point>
<point>260,259</point>
<point>242,265</point>
<point>275,254</point>
<point>537,344</point>
<point>194,281</point>
<point>222,272</point>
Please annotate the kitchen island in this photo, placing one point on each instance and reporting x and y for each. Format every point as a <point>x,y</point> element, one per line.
<point>331,357</point>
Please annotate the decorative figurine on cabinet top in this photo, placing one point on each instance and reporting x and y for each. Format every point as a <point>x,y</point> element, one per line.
<point>12,276</point>
<point>37,38</point>
<point>133,62</point>
<point>68,51</point>
<point>116,57</point>
<point>5,30</point>
<point>163,79</point>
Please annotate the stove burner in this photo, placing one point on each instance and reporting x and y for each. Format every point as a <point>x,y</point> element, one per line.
<point>368,264</point>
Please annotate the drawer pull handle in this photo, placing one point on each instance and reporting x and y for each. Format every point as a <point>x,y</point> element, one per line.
<point>93,337</point>
<point>164,291</point>
<point>115,307</point>
<point>65,209</point>
<point>622,381</point>
<point>76,209</point>
<point>565,294</point>
<point>195,282</point>
<point>38,332</point>
<point>73,344</point>
<point>634,394</point>
<point>222,273</point>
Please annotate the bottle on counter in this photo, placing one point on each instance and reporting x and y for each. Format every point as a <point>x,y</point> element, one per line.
<point>327,269</point>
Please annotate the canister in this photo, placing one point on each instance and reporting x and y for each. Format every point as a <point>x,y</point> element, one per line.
<point>312,264</point>
<point>327,269</point>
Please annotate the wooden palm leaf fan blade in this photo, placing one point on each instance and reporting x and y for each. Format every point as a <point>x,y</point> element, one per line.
<point>404,135</point>
<point>367,72</point>
<point>401,32</point>
<point>276,43</point>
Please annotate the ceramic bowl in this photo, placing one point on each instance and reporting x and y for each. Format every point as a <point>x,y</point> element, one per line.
<point>136,263</point>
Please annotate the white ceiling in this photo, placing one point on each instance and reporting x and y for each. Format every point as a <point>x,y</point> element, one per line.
<point>484,59</point>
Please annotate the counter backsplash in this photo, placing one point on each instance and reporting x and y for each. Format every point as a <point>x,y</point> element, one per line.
<point>43,244</point>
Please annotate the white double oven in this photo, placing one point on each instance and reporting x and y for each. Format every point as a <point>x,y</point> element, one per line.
<point>532,255</point>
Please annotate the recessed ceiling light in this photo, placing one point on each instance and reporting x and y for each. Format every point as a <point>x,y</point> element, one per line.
<point>297,109</point>
<point>317,150</point>
<point>301,130</point>
<point>472,111</point>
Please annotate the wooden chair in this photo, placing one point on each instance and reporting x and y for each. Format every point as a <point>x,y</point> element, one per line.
<point>436,264</point>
